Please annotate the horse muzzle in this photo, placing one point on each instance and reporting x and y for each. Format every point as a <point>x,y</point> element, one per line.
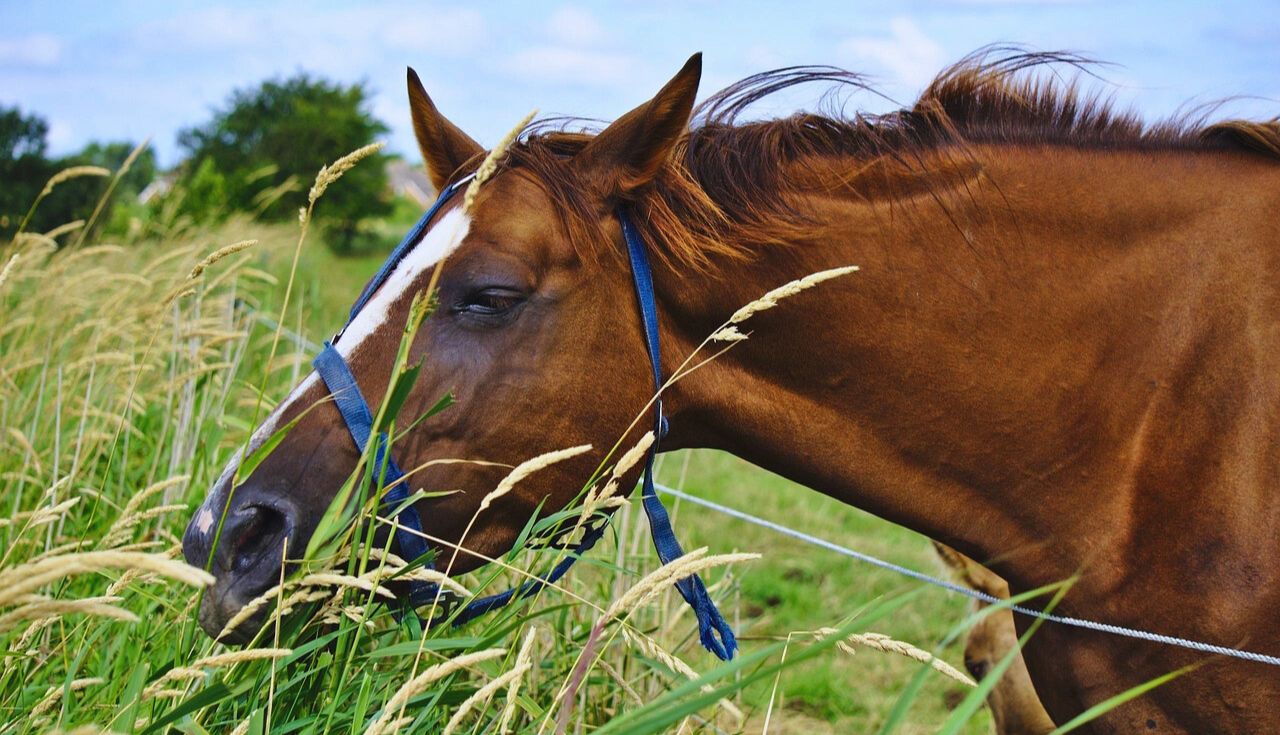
<point>246,549</point>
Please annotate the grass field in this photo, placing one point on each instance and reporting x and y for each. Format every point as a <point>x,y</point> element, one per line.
<point>128,377</point>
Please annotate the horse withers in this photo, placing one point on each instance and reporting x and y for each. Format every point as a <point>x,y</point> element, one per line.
<point>1061,352</point>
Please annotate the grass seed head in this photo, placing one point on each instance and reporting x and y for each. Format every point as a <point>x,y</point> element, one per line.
<point>334,171</point>
<point>73,172</point>
<point>771,299</point>
<point>386,722</point>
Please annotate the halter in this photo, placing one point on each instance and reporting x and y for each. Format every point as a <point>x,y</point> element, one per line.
<point>713,631</point>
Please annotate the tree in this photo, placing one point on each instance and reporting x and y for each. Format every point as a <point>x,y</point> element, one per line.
<point>76,199</point>
<point>269,142</point>
<point>23,167</point>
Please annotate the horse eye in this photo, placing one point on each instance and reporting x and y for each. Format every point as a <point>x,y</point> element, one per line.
<point>490,302</point>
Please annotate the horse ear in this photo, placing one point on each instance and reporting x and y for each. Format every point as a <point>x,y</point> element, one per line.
<point>444,146</point>
<point>629,153</point>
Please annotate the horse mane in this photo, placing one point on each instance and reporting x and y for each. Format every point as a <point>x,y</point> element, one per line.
<point>724,193</point>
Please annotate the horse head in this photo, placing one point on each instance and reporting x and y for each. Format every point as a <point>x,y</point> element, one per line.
<point>535,336</point>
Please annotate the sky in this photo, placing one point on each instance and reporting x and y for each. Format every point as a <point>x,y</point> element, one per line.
<point>133,69</point>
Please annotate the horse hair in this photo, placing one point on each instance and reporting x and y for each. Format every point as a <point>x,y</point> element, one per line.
<point>724,192</point>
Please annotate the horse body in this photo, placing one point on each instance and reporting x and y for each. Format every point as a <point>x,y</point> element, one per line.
<point>1067,365</point>
<point>1059,355</point>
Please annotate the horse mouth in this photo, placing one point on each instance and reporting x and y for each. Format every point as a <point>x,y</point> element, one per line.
<point>220,607</point>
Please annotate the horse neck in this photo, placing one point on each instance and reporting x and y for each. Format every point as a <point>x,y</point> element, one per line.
<point>992,375</point>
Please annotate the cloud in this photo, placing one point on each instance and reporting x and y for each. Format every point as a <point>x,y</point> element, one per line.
<point>332,39</point>
<point>1014,2</point>
<point>37,49</point>
<point>566,65</point>
<point>61,134</point>
<point>576,50</point>
<point>909,56</point>
<point>576,27</point>
<point>440,31</point>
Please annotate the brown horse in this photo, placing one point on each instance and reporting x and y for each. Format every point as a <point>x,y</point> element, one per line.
<point>1013,701</point>
<point>1061,352</point>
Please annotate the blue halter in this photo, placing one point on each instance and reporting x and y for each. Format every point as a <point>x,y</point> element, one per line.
<point>713,631</point>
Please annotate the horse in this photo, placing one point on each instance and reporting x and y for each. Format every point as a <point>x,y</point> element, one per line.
<point>1060,356</point>
<point>1014,704</point>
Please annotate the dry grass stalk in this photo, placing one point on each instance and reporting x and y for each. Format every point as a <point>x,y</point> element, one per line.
<point>334,611</point>
<point>124,525</point>
<point>526,468</point>
<point>523,659</point>
<point>54,695</point>
<point>650,648</point>
<point>656,581</point>
<point>728,334</point>
<point>198,669</point>
<point>217,255</point>
<point>771,299</point>
<point>40,516</point>
<point>483,694</point>
<point>252,606</point>
<point>632,456</point>
<point>30,577</point>
<point>885,644</point>
<point>231,658</point>
<point>74,172</point>
<point>389,718</point>
<point>111,187</point>
<point>24,640</point>
<point>301,597</point>
<point>334,579</point>
<point>63,229</point>
<point>604,497</point>
<point>490,163</point>
<point>41,608</point>
<point>431,576</point>
<point>130,516</point>
<point>391,568</point>
<point>334,171</point>
<point>8,267</point>
<point>30,241</point>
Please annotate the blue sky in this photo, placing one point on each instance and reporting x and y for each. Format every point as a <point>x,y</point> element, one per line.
<point>127,70</point>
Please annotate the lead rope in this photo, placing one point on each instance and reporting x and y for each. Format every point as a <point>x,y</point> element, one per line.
<point>710,622</point>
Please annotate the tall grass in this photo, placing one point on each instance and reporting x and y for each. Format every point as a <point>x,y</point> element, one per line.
<point>126,373</point>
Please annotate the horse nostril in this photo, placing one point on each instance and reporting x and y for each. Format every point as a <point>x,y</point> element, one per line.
<point>977,667</point>
<point>257,531</point>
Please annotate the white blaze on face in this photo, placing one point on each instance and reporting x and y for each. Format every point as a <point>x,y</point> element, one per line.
<point>440,241</point>
<point>204,520</point>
